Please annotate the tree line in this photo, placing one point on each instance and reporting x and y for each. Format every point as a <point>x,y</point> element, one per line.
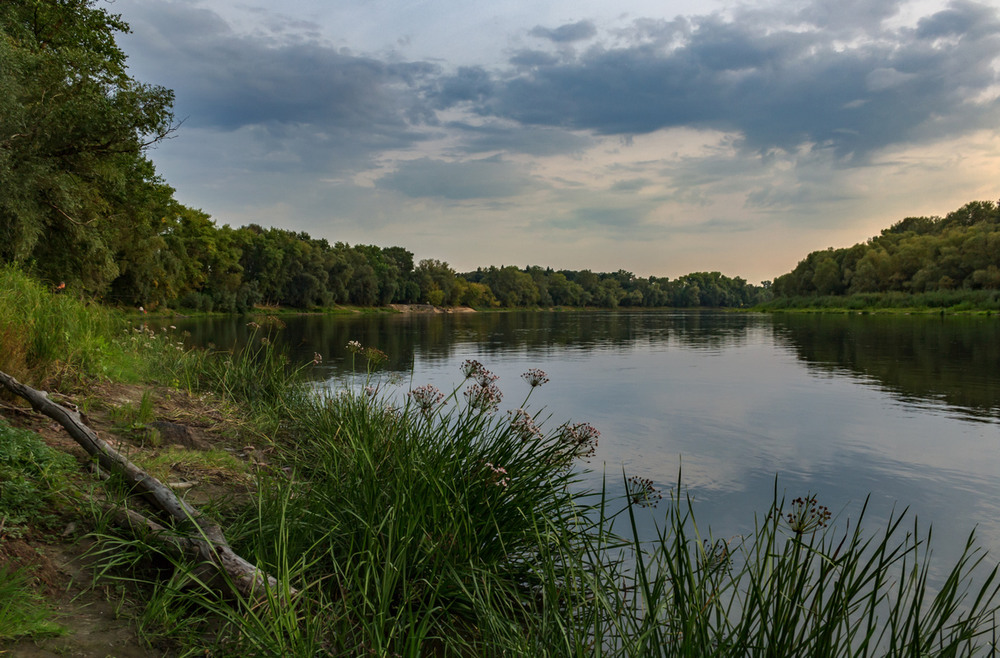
<point>82,207</point>
<point>960,251</point>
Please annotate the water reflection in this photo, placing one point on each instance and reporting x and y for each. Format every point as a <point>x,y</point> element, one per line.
<point>921,360</point>
<point>844,405</point>
<point>439,337</point>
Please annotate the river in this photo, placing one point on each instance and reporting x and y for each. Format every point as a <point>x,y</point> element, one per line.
<point>904,409</point>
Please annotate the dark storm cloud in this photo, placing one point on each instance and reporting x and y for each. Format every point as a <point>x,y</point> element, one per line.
<point>568,33</point>
<point>469,83</point>
<point>778,87</point>
<point>282,81</point>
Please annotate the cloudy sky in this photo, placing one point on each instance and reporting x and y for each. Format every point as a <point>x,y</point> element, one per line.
<point>661,137</point>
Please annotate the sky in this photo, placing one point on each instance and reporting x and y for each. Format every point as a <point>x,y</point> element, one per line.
<point>660,137</point>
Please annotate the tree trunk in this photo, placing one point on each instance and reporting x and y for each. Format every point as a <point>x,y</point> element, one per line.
<point>206,540</point>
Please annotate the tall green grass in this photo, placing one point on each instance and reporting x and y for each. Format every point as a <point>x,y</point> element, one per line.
<point>23,612</point>
<point>32,477</point>
<point>412,528</point>
<point>46,338</point>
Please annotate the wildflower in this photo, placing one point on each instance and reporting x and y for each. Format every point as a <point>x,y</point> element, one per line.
<point>499,475</point>
<point>253,325</point>
<point>806,516</point>
<point>523,425</point>
<point>375,356</point>
<point>353,346</point>
<point>487,398</point>
<point>427,397</point>
<point>173,326</point>
<point>470,367</point>
<point>317,358</point>
<point>641,492</point>
<point>579,440</point>
<point>535,377</point>
<point>486,378</point>
<point>371,391</point>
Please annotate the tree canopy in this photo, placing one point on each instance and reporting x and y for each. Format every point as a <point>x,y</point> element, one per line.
<point>79,201</point>
<point>917,254</point>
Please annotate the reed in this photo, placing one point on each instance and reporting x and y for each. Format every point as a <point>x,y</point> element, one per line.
<point>435,525</point>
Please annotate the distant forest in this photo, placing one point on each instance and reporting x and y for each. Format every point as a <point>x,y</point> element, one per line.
<point>960,251</point>
<point>82,208</point>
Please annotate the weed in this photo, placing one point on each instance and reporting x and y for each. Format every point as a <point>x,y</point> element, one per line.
<point>22,611</point>
<point>31,476</point>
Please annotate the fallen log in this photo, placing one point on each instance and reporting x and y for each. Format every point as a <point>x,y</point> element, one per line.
<point>205,539</point>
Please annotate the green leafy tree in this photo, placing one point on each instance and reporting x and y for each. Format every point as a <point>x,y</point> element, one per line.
<point>73,130</point>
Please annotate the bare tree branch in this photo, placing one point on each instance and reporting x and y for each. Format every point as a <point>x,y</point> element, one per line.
<point>206,539</point>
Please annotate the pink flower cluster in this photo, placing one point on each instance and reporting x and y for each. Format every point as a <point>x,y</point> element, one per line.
<point>523,425</point>
<point>642,492</point>
<point>473,369</point>
<point>499,476</point>
<point>535,377</point>
<point>486,398</point>
<point>580,440</point>
<point>484,394</point>
<point>470,367</point>
<point>806,516</point>
<point>427,397</point>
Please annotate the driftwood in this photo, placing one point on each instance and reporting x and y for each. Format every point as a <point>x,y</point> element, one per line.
<point>205,539</point>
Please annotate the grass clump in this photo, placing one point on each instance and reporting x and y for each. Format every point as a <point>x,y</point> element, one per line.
<point>23,612</point>
<point>166,463</point>
<point>794,587</point>
<point>436,525</point>
<point>47,337</point>
<point>31,476</point>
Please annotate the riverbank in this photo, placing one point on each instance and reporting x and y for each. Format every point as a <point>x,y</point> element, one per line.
<point>970,302</point>
<point>411,527</point>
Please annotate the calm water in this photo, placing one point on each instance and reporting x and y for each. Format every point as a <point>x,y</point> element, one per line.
<point>906,409</point>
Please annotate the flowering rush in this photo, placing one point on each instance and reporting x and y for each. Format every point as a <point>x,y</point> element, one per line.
<point>473,369</point>
<point>499,476</point>
<point>535,377</point>
<point>427,397</point>
<point>470,367</point>
<point>580,439</point>
<point>482,397</point>
<point>523,425</point>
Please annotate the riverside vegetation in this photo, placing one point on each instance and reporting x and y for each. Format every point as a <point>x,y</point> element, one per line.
<point>83,209</point>
<point>437,525</point>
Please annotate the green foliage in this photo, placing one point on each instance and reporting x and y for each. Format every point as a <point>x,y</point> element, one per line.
<point>31,475</point>
<point>77,196</point>
<point>960,251</point>
<point>45,335</point>
<point>22,611</point>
